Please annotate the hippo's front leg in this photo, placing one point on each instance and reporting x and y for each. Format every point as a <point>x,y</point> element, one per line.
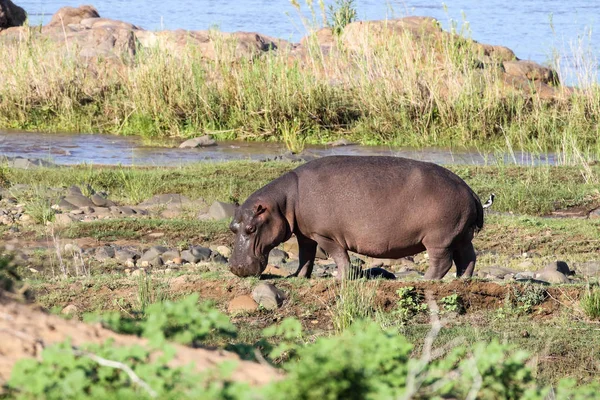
<point>339,255</point>
<point>307,249</point>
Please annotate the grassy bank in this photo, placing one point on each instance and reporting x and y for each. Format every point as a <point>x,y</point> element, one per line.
<point>404,92</point>
<point>518,189</point>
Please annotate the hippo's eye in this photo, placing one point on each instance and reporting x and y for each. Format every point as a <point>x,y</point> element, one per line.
<point>250,229</point>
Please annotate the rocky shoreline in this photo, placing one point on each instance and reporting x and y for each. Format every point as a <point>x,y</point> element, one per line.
<point>83,33</point>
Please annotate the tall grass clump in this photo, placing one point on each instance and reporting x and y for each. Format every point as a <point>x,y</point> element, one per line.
<point>354,301</point>
<point>590,302</point>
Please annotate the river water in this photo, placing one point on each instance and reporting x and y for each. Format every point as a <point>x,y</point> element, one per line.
<point>68,149</point>
<point>534,29</point>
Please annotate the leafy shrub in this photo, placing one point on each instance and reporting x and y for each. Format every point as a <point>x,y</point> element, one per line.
<point>68,373</point>
<point>453,303</point>
<point>363,362</point>
<point>522,300</point>
<point>184,321</point>
<point>409,304</point>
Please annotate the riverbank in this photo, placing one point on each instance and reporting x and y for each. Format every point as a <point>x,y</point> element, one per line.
<point>90,239</point>
<point>83,73</point>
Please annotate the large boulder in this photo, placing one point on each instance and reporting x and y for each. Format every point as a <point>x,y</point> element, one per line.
<point>364,35</point>
<point>11,15</point>
<point>531,71</point>
<point>210,44</point>
<point>72,15</point>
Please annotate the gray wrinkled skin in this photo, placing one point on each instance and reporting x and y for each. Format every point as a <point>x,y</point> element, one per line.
<point>382,207</point>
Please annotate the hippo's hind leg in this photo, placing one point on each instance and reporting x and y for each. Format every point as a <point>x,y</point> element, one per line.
<point>440,262</point>
<point>464,258</point>
<point>307,249</point>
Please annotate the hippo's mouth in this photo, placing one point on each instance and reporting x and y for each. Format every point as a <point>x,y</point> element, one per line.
<point>254,267</point>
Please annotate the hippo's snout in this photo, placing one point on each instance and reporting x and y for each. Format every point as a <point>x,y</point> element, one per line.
<point>250,267</point>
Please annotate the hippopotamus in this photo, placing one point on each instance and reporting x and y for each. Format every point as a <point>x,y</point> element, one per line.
<point>377,206</point>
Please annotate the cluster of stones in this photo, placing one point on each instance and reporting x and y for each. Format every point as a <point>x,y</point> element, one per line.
<point>156,258</point>
<point>555,272</point>
<point>82,31</point>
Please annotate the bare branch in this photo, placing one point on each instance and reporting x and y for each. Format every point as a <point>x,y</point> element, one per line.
<point>119,365</point>
<point>414,380</point>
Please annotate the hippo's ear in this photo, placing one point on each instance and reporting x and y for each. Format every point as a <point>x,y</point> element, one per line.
<point>259,210</point>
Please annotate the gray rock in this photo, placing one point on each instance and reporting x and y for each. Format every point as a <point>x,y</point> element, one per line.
<point>151,262</point>
<point>559,266</point>
<point>495,271</point>
<point>524,276</point>
<point>189,257</point>
<point>126,210</point>
<point>341,142</point>
<point>219,210</point>
<point>218,258</point>
<point>290,266</point>
<point>224,251</point>
<point>104,253</point>
<point>588,269</point>
<point>268,296</point>
<point>101,211</point>
<point>153,252</point>
<point>79,200</point>
<point>594,214</point>
<point>87,210</point>
<point>75,190</point>
<point>201,253</point>
<point>277,257</point>
<point>122,255</point>
<point>139,211</point>
<point>551,276</point>
<point>25,163</point>
<point>321,272</point>
<point>69,310</point>
<point>167,199</point>
<point>170,255</point>
<point>202,141</point>
<point>64,205</point>
<point>101,201</point>
<point>409,274</point>
<point>63,219</point>
<point>378,273</point>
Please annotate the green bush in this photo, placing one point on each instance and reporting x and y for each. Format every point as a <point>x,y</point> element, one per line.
<point>185,321</point>
<point>68,373</point>
<point>363,362</point>
<point>409,304</point>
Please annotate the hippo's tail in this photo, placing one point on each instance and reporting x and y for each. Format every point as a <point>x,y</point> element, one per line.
<point>479,222</point>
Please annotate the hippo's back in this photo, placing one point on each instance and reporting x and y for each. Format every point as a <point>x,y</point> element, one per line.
<point>373,201</point>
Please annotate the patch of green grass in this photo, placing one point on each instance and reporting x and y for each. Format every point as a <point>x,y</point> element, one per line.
<point>545,236</point>
<point>590,302</point>
<point>174,230</point>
